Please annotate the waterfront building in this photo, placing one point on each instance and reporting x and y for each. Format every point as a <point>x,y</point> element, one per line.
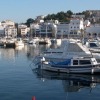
<point>93,31</point>
<point>34,29</point>
<point>23,30</point>
<point>7,23</point>
<point>43,29</point>
<point>46,30</point>
<point>62,30</point>
<point>11,31</point>
<point>76,26</point>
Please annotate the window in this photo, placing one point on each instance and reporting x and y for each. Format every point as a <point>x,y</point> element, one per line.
<point>75,62</point>
<point>89,34</point>
<point>82,62</point>
<point>93,45</point>
<point>71,32</point>
<point>75,32</point>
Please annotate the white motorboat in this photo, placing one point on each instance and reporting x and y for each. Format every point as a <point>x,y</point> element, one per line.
<point>68,49</point>
<point>74,65</point>
<point>9,42</point>
<point>45,41</point>
<point>34,40</point>
<point>19,42</point>
<point>93,46</point>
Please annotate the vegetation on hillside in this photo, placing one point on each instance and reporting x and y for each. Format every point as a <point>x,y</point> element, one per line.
<point>60,16</point>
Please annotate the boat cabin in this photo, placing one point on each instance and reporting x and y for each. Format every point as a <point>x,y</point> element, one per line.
<point>79,61</point>
<point>82,61</point>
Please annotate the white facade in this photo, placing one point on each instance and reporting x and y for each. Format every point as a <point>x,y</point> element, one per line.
<point>46,29</point>
<point>93,31</point>
<point>22,29</point>
<point>10,31</point>
<point>62,29</point>
<point>34,29</point>
<point>75,26</point>
<point>7,23</point>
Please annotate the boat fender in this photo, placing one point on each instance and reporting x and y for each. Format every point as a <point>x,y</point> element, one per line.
<point>43,59</point>
<point>92,71</point>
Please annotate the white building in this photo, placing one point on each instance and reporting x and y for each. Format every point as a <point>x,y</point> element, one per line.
<point>11,31</point>
<point>7,23</point>
<point>75,26</point>
<point>46,30</point>
<point>62,29</point>
<point>35,29</point>
<point>22,30</point>
<point>93,31</point>
<point>43,29</point>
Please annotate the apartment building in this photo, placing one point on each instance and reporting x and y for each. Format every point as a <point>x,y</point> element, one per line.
<point>22,30</point>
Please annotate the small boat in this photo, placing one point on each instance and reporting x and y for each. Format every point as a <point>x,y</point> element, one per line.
<point>10,42</point>
<point>93,46</point>
<point>19,42</point>
<point>45,41</point>
<point>74,65</point>
<point>35,40</point>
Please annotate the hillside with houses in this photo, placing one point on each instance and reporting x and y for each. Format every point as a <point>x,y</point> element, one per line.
<point>58,25</point>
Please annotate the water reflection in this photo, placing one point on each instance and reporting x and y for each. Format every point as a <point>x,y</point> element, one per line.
<point>7,53</point>
<point>34,50</point>
<point>12,53</point>
<point>30,51</point>
<point>70,82</point>
<point>19,48</point>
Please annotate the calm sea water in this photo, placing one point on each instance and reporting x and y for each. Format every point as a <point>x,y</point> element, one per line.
<point>19,82</point>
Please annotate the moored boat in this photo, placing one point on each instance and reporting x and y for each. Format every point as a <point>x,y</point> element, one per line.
<point>19,42</point>
<point>73,65</point>
<point>93,46</point>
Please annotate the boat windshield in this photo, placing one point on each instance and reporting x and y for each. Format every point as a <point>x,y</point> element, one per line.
<point>73,47</point>
<point>82,62</point>
<point>93,45</point>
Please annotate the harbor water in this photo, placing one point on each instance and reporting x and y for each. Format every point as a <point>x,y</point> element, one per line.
<point>20,80</point>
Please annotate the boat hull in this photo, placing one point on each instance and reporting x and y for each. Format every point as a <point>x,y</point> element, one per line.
<point>89,69</point>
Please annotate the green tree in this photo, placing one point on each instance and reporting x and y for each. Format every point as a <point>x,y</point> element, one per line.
<point>29,21</point>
